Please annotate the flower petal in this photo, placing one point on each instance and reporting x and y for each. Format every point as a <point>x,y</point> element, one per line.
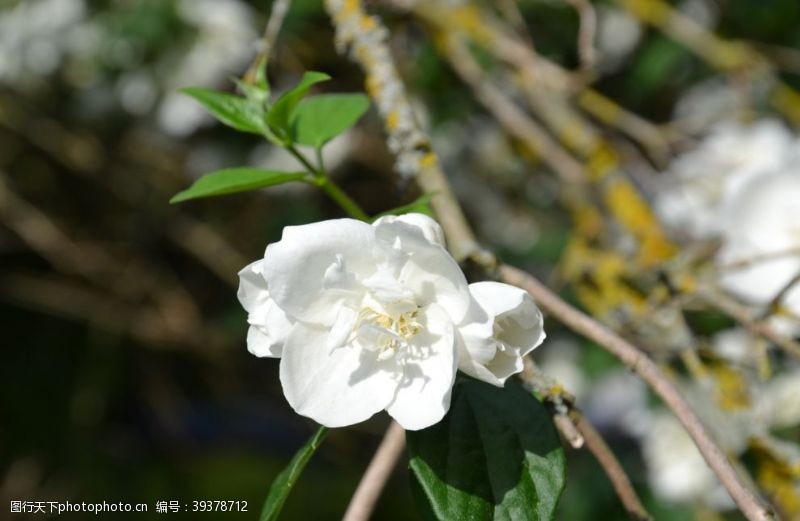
<point>261,344</point>
<point>435,278</point>
<point>252,286</point>
<point>518,322</point>
<point>429,368</point>
<point>334,387</point>
<point>311,270</point>
<point>419,223</point>
<point>269,325</point>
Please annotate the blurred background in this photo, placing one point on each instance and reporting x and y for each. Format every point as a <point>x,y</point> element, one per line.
<point>124,370</point>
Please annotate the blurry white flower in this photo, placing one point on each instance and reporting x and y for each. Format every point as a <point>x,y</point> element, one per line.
<point>618,33</point>
<point>618,400</point>
<point>734,344</point>
<point>742,185</point>
<point>33,36</point>
<point>561,361</point>
<point>138,92</point>
<point>367,317</point>
<point>676,469</point>
<point>701,183</point>
<point>706,103</point>
<point>225,43</point>
<point>779,403</point>
<point>763,220</point>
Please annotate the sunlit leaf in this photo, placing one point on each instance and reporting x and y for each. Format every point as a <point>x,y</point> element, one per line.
<point>321,118</point>
<point>278,117</point>
<point>232,180</point>
<point>495,456</point>
<point>235,111</point>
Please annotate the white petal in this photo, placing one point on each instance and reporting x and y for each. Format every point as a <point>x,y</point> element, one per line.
<point>466,347</point>
<point>422,224</point>
<point>435,278</point>
<point>503,366</point>
<point>337,387</point>
<point>476,334</point>
<point>252,286</point>
<point>339,333</point>
<point>423,397</point>
<point>261,344</point>
<point>518,322</point>
<point>310,270</point>
<point>269,325</point>
<point>273,327</point>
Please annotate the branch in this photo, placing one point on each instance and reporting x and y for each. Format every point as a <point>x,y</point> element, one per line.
<point>747,501</point>
<point>579,432</point>
<point>366,38</point>
<point>741,314</point>
<point>510,115</point>
<point>611,466</point>
<point>380,468</point>
<point>586,33</point>
<point>276,17</point>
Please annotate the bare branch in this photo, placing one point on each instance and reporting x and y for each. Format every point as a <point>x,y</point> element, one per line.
<point>611,466</point>
<point>586,33</point>
<point>374,479</point>
<point>747,500</point>
<point>276,17</point>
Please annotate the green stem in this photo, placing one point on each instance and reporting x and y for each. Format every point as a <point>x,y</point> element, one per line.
<point>333,190</point>
<point>342,199</point>
<point>300,157</point>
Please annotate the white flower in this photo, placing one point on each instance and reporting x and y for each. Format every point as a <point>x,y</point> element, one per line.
<point>702,182</point>
<point>742,185</point>
<point>369,317</point>
<point>764,222</point>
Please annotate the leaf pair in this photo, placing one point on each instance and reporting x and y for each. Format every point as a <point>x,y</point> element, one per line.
<point>290,119</point>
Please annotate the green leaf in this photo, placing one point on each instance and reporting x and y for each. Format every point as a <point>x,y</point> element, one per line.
<point>235,111</point>
<point>279,114</point>
<point>283,484</point>
<point>420,205</point>
<point>319,119</point>
<point>232,180</point>
<point>495,456</point>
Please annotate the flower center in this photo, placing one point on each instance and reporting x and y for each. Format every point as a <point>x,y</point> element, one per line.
<point>386,333</point>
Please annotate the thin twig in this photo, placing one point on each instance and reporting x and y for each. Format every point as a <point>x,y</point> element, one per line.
<point>742,314</point>
<point>747,500</point>
<point>579,432</point>
<point>511,116</point>
<point>611,466</point>
<point>276,17</point>
<point>775,303</point>
<point>374,479</point>
<point>586,33</point>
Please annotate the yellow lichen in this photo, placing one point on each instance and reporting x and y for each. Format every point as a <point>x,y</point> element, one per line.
<point>428,160</point>
<point>633,214</point>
